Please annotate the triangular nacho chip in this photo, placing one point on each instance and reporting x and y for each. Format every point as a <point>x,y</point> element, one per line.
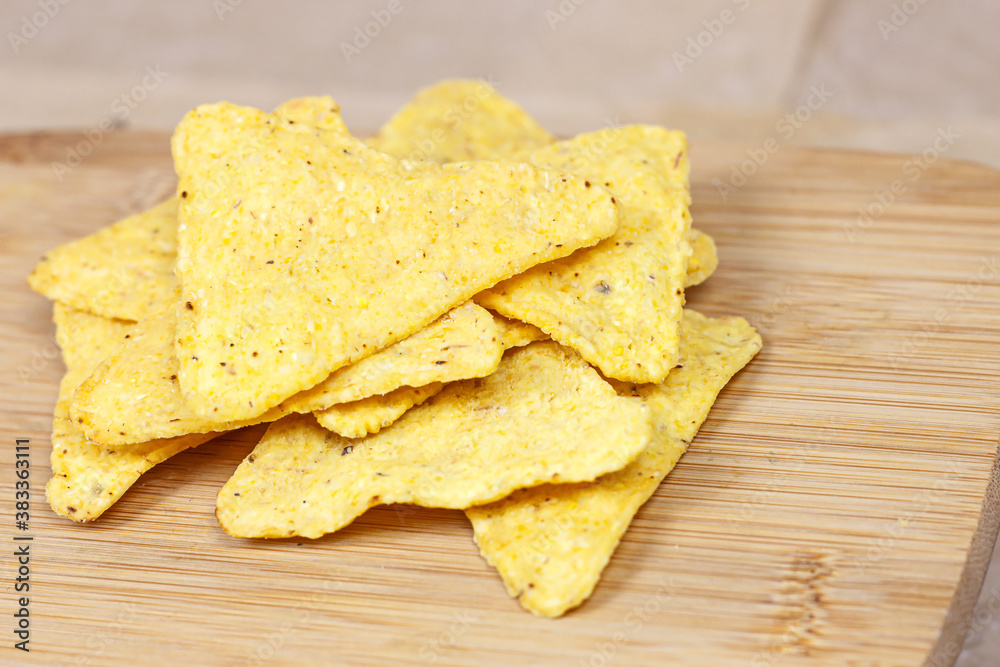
<point>370,415</point>
<point>119,271</point>
<point>704,260</point>
<point>322,112</point>
<point>461,120</point>
<point>301,250</point>
<point>465,343</point>
<point>134,394</point>
<point>619,303</point>
<point>126,270</point>
<point>88,478</point>
<point>517,334</point>
<point>543,416</point>
<point>457,121</point>
<point>551,543</point>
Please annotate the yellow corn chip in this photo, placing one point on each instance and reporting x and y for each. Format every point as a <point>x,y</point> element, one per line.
<point>517,334</point>
<point>459,121</point>
<point>118,271</point>
<point>704,259</point>
<point>87,478</point>
<point>134,395</point>
<point>126,271</point>
<point>370,415</point>
<point>617,304</point>
<point>543,416</point>
<point>317,251</point>
<point>464,343</point>
<point>551,543</point>
<point>501,130</point>
<point>321,112</point>
<point>448,122</point>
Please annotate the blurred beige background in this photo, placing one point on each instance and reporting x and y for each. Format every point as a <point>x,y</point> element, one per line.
<point>880,74</point>
<point>895,70</point>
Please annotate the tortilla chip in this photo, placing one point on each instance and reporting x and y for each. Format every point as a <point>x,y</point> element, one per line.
<point>464,343</point>
<point>118,271</point>
<point>517,334</point>
<point>322,112</point>
<point>704,260</point>
<point>410,242</point>
<point>551,543</point>
<point>459,121</point>
<point>134,395</point>
<point>370,415</point>
<point>543,416</point>
<point>619,303</point>
<point>87,478</point>
<point>126,270</point>
<point>449,122</point>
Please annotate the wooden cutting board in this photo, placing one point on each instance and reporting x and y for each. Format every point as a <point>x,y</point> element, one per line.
<point>838,507</point>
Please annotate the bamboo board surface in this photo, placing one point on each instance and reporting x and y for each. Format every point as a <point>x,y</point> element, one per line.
<point>838,507</point>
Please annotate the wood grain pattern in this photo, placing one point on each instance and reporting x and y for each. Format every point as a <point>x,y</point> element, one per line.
<point>830,512</point>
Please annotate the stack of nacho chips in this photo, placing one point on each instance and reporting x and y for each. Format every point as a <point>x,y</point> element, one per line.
<point>462,312</point>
